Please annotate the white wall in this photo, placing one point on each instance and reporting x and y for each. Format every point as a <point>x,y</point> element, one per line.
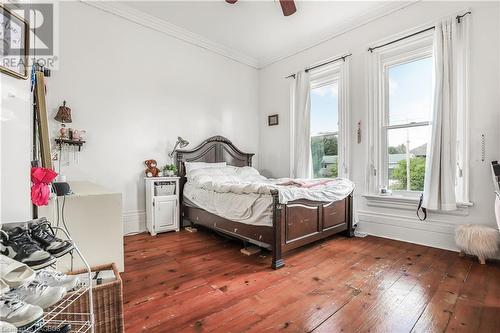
<point>16,116</point>
<point>135,90</point>
<point>15,153</point>
<point>397,223</point>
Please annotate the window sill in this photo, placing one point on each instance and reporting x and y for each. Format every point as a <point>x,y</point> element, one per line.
<point>410,203</point>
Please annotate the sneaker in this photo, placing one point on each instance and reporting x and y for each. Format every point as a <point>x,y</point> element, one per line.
<point>42,233</point>
<point>57,279</point>
<point>37,293</point>
<point>18,313</point>
<point>7,328</point>
<point>14,273</point>
<point>17,244</point>
<point>4,287</point>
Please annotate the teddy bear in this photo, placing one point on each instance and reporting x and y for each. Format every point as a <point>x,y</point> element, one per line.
<point>152,170</point>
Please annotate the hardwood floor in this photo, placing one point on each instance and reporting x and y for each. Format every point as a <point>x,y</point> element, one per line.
<point>200,282</point>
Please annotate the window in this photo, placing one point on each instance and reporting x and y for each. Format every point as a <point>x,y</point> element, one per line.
<point>401,93</point>
<point>406,126</point>
<point>325,128</point>
<point>320,102</point>
<point>401,86</point>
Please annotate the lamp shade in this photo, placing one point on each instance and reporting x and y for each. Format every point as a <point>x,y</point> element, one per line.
<point>63,114</point>
<point>182,142</point>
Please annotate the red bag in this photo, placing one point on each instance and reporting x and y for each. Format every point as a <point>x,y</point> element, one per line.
<point>40,190</point>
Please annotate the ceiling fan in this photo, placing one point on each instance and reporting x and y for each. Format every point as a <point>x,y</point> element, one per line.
<point>288,6</point>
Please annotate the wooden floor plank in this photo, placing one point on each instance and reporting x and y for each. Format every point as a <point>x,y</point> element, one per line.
<point>200,282</point>
<point>439,309</point>
<point>387,286</point>
<point>470,303</point>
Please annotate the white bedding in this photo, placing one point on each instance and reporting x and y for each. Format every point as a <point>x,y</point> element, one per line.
<point>245,208</point>
<point>243,195</point>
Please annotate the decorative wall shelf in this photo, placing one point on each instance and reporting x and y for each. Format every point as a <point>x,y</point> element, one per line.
<point>78,143</point>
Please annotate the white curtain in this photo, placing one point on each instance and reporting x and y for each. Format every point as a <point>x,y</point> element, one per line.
<point>300,134</point>
<point>344,119</point>
<point>441,165</point>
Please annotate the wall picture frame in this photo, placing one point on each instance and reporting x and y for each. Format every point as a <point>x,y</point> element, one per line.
<point>273,120</point>
<point>14,36</point>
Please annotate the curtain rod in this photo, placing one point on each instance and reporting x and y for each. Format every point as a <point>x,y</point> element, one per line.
<point>371,49</point>
<point>321,65</point>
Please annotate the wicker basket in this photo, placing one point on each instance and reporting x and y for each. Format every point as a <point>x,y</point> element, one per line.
<point>165,189</point>
<point>108,303</point>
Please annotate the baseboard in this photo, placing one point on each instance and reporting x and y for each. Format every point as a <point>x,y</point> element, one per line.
<point>429,233</point>
<point>134,222</point>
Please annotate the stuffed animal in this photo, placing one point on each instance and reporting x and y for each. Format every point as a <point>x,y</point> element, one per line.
<point>152,170</point>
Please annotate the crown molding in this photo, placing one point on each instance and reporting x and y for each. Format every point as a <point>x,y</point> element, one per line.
<point>174,31</point>
<point>154,23</point>
<point>367,17</point>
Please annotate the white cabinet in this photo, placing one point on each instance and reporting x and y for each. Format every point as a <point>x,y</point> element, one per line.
<point>162,204</point>
<point>93,215</point>
<point>165,210</point>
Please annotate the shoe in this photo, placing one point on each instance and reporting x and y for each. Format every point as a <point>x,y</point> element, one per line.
<point>18,313</point>
<point>37,293</point>
<point>41,231</point>
<point>7,328</point>
<point>4,287</point>
<point>17,244</point>
<point>14,273</point>
<point>57,279</point>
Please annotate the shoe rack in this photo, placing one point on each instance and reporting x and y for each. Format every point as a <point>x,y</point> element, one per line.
<point>57,316</point>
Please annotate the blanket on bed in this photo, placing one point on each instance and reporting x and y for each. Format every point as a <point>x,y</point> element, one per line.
<point>247,180</point>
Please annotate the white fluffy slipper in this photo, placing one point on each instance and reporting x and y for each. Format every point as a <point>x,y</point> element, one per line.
<point>13,272</point>
<point>479,240</point>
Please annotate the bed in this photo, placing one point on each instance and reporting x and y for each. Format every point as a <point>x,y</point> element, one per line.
<point>294,224</point>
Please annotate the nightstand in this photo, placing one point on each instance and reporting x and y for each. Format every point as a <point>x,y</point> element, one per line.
<point>162,204</point>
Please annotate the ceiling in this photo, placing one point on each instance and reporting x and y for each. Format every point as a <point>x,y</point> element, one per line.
<point>258,29</point>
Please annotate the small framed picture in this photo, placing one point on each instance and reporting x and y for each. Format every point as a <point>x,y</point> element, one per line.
<point>272,120</point>
<point>14,35</point>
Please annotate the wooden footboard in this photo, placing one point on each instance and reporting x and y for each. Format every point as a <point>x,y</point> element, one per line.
<point>301,222</point>
<point>294,225</point>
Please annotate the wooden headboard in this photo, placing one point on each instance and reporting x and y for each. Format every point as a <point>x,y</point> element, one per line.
<point>212,150</point>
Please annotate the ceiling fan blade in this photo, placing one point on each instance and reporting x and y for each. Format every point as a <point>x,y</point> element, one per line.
<point>288,7</point>
<point>231,1</point>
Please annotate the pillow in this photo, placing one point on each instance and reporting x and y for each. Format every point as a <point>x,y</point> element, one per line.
<point>213,171</point>
<point>247,171</point>
<point>228,173</point>
<point>191,166</point>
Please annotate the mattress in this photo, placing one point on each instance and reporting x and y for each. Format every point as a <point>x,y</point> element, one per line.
<point>244,208</point>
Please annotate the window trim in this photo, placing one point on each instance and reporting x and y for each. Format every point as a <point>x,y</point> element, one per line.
<point>421,53</point>
<point>322,80</point>
<point>412,49</point>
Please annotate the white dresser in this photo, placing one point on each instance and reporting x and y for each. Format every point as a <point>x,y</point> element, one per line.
<point>93,215</point>
<point>162,204</point>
